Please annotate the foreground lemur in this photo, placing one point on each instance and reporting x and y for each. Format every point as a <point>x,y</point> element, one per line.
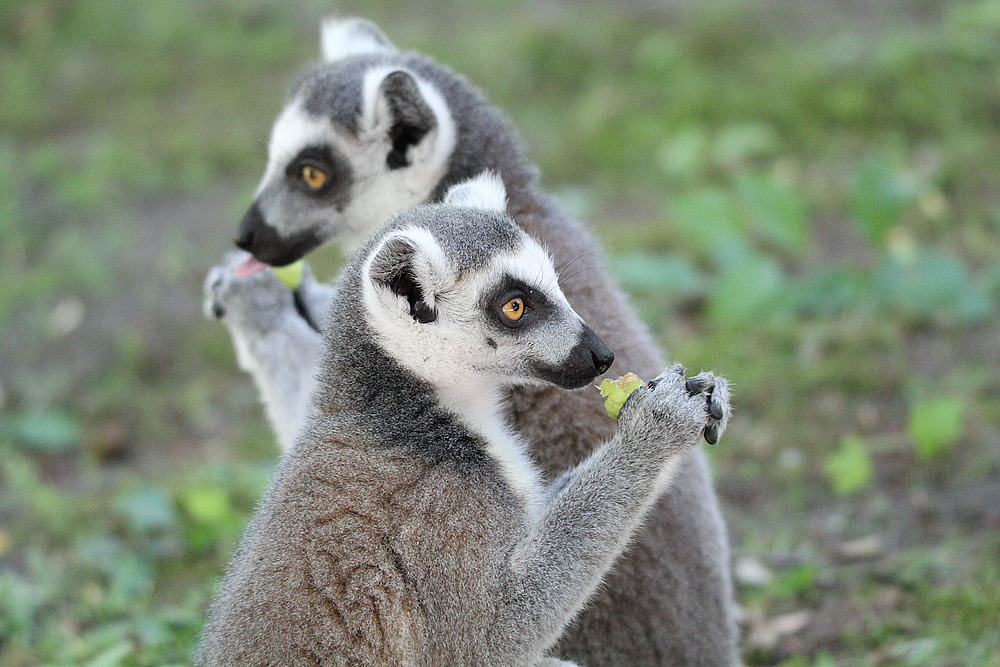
<point>372,131</point>
<point>408,525</point>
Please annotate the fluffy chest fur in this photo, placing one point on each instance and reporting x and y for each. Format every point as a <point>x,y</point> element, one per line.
<point>365,555</point>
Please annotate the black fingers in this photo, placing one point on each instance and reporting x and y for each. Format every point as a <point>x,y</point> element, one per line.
<point>676,368</point>
<point>697,385</point>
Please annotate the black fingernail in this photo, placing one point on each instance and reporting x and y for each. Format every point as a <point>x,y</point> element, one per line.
<point>712,434</point>
<point>652,384</point>
<point>715,410</point>
<point>693,386</point>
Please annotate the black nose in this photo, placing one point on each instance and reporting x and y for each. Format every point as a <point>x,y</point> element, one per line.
<point>244,240</point>
<point>602,358</point>
<point>600,354</point>
<point>246,232</point>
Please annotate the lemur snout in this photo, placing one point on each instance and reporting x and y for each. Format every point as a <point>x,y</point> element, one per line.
<point>589,358</point>
<point>265,243</point>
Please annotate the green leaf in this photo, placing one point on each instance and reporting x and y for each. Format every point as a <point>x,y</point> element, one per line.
<point>932,283</point>
<point>738,143</point>
<point>745,291</point>
<point>935,426</point>
<point>879,198</point>
<point>669,276</point>
<point>831,292</point>
<point>207,505</point>
<point>796,581</point>
<point>148,510</point>
<point>711,224</point>
<point>685,154</point>
<point>113,657</point>
<point>915,651</point>
<point>824,659</point>
<point>850,467</point>
<point>48,432</point>
<point>131,579</point>
<point>774,211</point>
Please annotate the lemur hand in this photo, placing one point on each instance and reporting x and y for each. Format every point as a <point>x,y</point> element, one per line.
<point>684,409</point>
<point>258,301</point>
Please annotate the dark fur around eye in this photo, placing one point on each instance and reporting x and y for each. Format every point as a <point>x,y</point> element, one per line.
<point>328,160</point>
<point>536,304</point>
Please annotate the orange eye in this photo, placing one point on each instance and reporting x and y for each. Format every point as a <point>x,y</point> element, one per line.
<point>314,177</point>
<point>513,309</point>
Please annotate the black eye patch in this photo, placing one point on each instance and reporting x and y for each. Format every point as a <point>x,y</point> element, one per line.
<point>536,304</point>
<point>339,175</point>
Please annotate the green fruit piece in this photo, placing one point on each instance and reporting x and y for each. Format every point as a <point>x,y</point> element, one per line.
<point>616,391</point>
<point>290,274</point>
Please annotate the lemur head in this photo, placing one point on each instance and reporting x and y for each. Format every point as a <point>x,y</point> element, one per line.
<point>363,136</point>
<point>463,298</point>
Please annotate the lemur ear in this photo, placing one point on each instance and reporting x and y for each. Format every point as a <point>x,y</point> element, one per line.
<point>485,191</point>
<point>343,37</point>
<point>408,117</point>
<point>410,265</point>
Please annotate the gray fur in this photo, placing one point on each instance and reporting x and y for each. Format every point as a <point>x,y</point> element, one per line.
<point>273,343</point>
<point>669,599</point>
<point>485,139</point>
<point>390,536</point>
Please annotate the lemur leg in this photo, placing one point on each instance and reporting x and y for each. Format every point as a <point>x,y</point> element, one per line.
<point>555,662</point>
<point>588,522</point>
<point>274,341</point>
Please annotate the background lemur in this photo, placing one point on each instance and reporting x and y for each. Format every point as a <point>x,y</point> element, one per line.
<point>408,524</point>
<point>373,130</point>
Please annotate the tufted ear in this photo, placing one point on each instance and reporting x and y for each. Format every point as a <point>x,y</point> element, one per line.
<point>343,37</point>
<point>409,266</point>
<point>404,114</point>
<point>485,191</point>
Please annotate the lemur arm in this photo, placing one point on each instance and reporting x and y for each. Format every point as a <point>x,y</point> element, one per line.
<point>282,362</point>
<point>275,335</point>
<point>588,522</point>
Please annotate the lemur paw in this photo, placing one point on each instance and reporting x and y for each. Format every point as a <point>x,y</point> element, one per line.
<point>689,407</point>
<point>257,301</point>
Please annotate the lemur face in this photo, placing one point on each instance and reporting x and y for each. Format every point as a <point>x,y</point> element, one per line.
<point>462,297</point>
<point>360,139</point>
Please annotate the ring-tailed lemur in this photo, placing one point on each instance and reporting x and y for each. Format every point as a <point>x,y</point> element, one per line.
<point>408,525</point>
<point>373,130</point>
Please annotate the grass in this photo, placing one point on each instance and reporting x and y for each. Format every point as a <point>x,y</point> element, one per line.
<point>802,200</point>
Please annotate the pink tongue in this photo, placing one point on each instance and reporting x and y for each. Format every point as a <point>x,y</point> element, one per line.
<point>250,266</point>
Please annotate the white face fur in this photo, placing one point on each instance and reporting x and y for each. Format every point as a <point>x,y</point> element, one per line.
<point>478,331</point>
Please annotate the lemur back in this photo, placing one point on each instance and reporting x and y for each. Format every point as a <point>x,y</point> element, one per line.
<point>408,524</point>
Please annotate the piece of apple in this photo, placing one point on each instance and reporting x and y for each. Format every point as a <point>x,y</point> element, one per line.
<point>616,391</point>
<point>290,274</point>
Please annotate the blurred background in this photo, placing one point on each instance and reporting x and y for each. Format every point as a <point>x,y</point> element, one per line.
<point>804,197</point>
